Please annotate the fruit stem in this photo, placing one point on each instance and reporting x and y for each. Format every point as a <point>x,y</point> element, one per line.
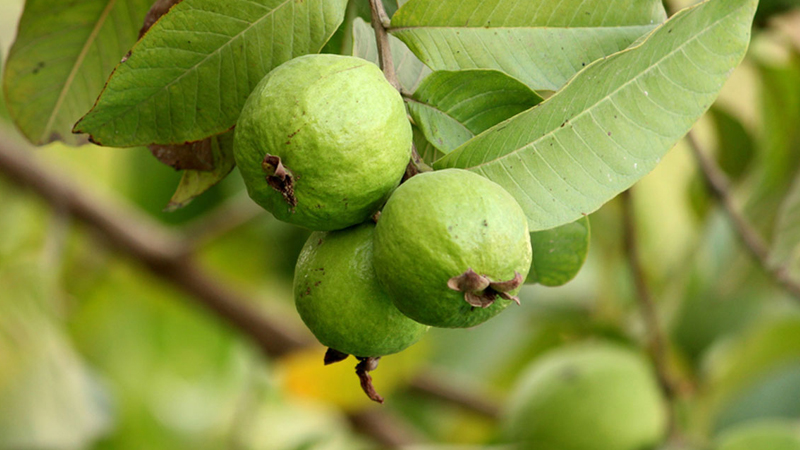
<point>363,368</point>
<point>382,41</point>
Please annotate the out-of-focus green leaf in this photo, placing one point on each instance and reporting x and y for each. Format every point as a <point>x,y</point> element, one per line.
<point>735,146</point>
<point>614,121</point>
<point>769,8</point>
<point>189,76</point>
<point>195,182</point>
<point>785,251</point>
<point>48,398</point>
<point>410,70</point>
<point>766,434</point>
<point>541,44</point>
<point>60,61</point>
<point>777,160</point>
<point>773,395</point>
<point>748,360</point>
<point>559,253</point>
<point>452,107</point>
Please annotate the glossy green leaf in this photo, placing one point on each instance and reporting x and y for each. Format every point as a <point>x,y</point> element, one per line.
<point>540,43</point>
<point>452,107</point>
<point>614,121</point>
<point>410,70</point>
<point>559,253</point>
<point>190,75</point>
<point>62,56</point>
<point>195,182</point>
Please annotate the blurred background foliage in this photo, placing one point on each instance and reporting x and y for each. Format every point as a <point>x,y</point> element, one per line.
<point>96,353</point>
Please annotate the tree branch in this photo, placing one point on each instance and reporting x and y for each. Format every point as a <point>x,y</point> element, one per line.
<point>163,253</point>
<point>429,385</point>
<point>657,342</point>
<point>719,186</point>
<point>167,255</point>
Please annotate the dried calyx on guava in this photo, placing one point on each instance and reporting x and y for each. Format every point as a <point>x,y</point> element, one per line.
<point>322,141</point>
<point>338,297</point>
<point>452,248</point>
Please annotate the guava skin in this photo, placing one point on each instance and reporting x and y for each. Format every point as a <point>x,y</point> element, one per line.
<point>439,225</point>
<point>339,298</point>
<point>588,397</point>
<point>340,131</point>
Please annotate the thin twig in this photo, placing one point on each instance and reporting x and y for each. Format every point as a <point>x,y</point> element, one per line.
<point>430,385</point>
<point>385,428</point>
<point>657,341</point>
<point>755,245</point>
<point>380,21</point>
<point>379,17</point>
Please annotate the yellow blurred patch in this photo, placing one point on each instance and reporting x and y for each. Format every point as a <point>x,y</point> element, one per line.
<point>303,375</point>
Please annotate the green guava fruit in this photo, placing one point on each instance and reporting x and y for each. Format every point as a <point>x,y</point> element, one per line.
<point>451,248</point>
<point>322,141</point>
<point>764,434</point>
<point>587,397</point>
<point>339,298</point>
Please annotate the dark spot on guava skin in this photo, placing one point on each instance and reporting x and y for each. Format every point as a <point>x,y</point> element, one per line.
<point>570,374</point>
<point>317,283</point>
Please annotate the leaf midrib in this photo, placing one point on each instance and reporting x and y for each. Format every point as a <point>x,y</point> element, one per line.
<point>456,27</point>
<point>615,91</point>
<point>62,95</point>
<point>194,67</point>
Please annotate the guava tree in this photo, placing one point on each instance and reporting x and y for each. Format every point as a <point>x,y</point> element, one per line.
<point>564,105</point>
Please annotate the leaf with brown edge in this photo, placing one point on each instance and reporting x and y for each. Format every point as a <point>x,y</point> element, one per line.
<point>159,8</point>
<point>195,182</point>
<point>190,156</point>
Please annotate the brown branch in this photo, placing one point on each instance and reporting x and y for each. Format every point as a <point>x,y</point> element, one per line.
<point>168,256</point>
<point>385,428</point>
<point>755,245</point>
<point>160,251</point>
<point>380,21</point>
<point>430,385</point>
<point>657,342</point>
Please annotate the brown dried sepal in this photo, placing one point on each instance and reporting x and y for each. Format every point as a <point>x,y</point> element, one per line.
<point>363,368</point>
<point>334,356</point>
<point>481,292</point>
<point>279,178</point>
<point>189,156</point>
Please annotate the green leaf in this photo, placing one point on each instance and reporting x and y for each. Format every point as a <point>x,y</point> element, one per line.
<point>48,397</point>
<point>540,43</point>
<point>61,58</point>
<point>426,151</point>
<point>410,70</point>
<point>785,251</point>
<point>195,182</point>
<point>559,253</point>
<point>614,121</point>
<point>735,145</point>
<point>189,76</point>
<point>452,107</point>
